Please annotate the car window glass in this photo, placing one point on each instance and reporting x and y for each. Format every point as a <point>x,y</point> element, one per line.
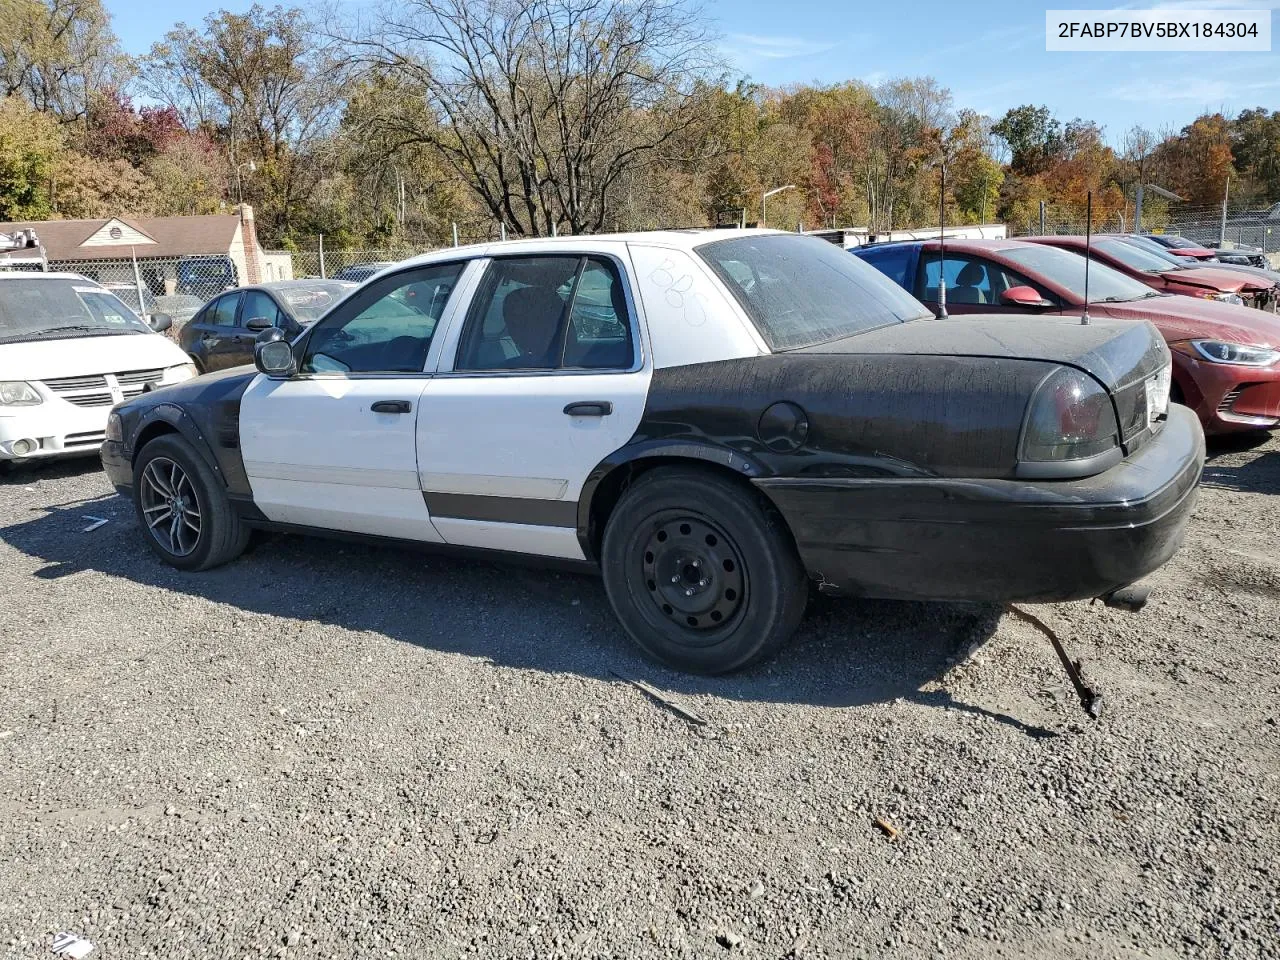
<point>968,280</point>
<point>258,304</point>
<point>517,319</point>
<point>108,309</point>
<point>892,262</point>
<point>384,328</point>
<point>803,291</point>
<point>599,333</point>
<point>222,312</point>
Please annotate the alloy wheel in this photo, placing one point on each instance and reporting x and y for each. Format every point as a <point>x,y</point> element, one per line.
<point>170,506</point>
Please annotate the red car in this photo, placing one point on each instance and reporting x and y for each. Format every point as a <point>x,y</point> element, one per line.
<point>1183,247</point>
<point>1203,282</point>
<point>1226,358</point>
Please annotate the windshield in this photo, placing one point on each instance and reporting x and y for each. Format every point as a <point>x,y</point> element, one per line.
<point>802,291</point>
<point>1066,269</point>
<point>1153,248</point>
<point>1130,256</point>
<point>1178,243</point>
<point>31,309</point>
<point>309,302</point>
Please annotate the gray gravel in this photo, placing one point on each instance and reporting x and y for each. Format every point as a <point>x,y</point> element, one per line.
<point>337,751</point>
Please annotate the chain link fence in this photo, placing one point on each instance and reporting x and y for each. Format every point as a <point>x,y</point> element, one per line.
<point>1259,229</point>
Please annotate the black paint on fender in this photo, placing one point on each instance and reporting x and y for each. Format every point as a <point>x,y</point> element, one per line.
<point>465,506</point>
<point>206,411</point>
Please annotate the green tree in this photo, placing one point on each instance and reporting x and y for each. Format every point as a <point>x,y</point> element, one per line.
<point>1033,137</point>
<point>31,146</point>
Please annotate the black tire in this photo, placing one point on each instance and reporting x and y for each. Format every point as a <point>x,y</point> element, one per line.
<point>218,535</point>
<point>743,612</point>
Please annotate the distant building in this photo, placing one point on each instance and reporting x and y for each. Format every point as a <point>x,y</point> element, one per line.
<point>106,250</point>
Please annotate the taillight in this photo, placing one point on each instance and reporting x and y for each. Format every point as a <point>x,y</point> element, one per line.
<point>1070,418</point>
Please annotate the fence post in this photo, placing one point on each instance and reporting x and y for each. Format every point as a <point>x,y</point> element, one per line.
<point>322,273</point>
<point>502,231</point>
<point>455,233</point>
<point>1042,218</point>
<point>1137,211</point>
<point>1222,230</point>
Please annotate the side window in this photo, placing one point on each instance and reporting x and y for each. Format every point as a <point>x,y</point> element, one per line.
<point>222,312</point>
<point>548,313</point>
<point>967,280</point>
<point>599,333</point>
<point>386,327</point>
<point>893,262</point>
<point>258,304</point>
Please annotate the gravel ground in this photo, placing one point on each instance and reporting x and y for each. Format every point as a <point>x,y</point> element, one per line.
<point>333,751</point>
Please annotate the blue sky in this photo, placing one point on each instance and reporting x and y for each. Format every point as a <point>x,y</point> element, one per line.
<point>990,53</point>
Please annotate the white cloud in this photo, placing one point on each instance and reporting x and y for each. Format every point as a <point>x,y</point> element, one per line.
<point>749,46</point>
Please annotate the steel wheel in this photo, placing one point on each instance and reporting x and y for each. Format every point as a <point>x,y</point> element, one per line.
<point>694,574</point>
<point>170,506</point>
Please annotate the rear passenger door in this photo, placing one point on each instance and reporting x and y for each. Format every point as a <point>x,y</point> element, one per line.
<point>215,336</point>
<point>545,376</point>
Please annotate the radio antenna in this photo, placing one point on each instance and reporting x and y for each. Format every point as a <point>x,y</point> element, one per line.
<point>1088,253</point>
<point>942,241</point>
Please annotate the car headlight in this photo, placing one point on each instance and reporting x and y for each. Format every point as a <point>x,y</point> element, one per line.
<point>180,373</point>
<point>115,427</point>
<point>1223,297</point>
<point>1219,351</point>
<point>18,393</point>
<point>1071,418</point>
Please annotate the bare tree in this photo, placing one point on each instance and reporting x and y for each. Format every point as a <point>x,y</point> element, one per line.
<point>541,106</point>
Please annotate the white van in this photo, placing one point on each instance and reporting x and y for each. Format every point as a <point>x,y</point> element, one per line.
<point>69,351</point>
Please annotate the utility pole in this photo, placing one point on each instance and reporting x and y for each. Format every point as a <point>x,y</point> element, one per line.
<point>1222,230</point>
<point>764,199</point>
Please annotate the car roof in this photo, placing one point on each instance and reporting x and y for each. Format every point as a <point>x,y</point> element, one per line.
<point>686,239</point>
<point>293,284</point>
<point>41,275</point>
<point>957,244</point>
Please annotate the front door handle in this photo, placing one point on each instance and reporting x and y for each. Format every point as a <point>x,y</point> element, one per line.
<point>391,406</point>
<point>589,408</point>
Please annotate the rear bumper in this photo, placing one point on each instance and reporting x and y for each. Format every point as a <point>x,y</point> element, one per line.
<point>998,540</point>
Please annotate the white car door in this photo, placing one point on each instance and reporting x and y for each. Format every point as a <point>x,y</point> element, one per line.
<point>545,376</point>
<point>335,446</point>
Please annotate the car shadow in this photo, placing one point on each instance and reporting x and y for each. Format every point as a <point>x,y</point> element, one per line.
<point>846,654</point>
<point>1261,474</point>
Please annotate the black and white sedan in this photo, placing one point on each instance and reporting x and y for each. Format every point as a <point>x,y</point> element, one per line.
<point>715,420</point>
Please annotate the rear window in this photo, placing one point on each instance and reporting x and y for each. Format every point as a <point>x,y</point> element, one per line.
<point>802,291</point>
<point>894,262</point>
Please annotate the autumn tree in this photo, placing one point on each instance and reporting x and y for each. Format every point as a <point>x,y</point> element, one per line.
<point>265,84</point>
<point>31,144</point>
<point>56,53</point>
<point>1033,136</point>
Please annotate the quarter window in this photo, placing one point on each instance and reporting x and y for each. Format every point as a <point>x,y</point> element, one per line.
<point>548,313</point>
<point>386,327</point>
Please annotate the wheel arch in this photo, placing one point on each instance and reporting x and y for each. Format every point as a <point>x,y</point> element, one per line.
<point>168,418</point>
<point>606,483</point>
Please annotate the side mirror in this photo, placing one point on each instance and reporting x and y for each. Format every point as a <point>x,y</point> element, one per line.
<point>1023,297</point>
<point>159,322</point>
<point>259,324</point>
<point>273,355</point>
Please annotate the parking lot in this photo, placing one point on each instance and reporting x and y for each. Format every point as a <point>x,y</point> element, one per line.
<point>335,750</point>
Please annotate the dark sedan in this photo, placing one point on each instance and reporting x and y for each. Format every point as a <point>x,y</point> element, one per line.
<point>1226,358</point>
<point>222,334</point>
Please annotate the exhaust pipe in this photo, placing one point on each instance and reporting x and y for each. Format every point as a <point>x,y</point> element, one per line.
<point>1132,597</point>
